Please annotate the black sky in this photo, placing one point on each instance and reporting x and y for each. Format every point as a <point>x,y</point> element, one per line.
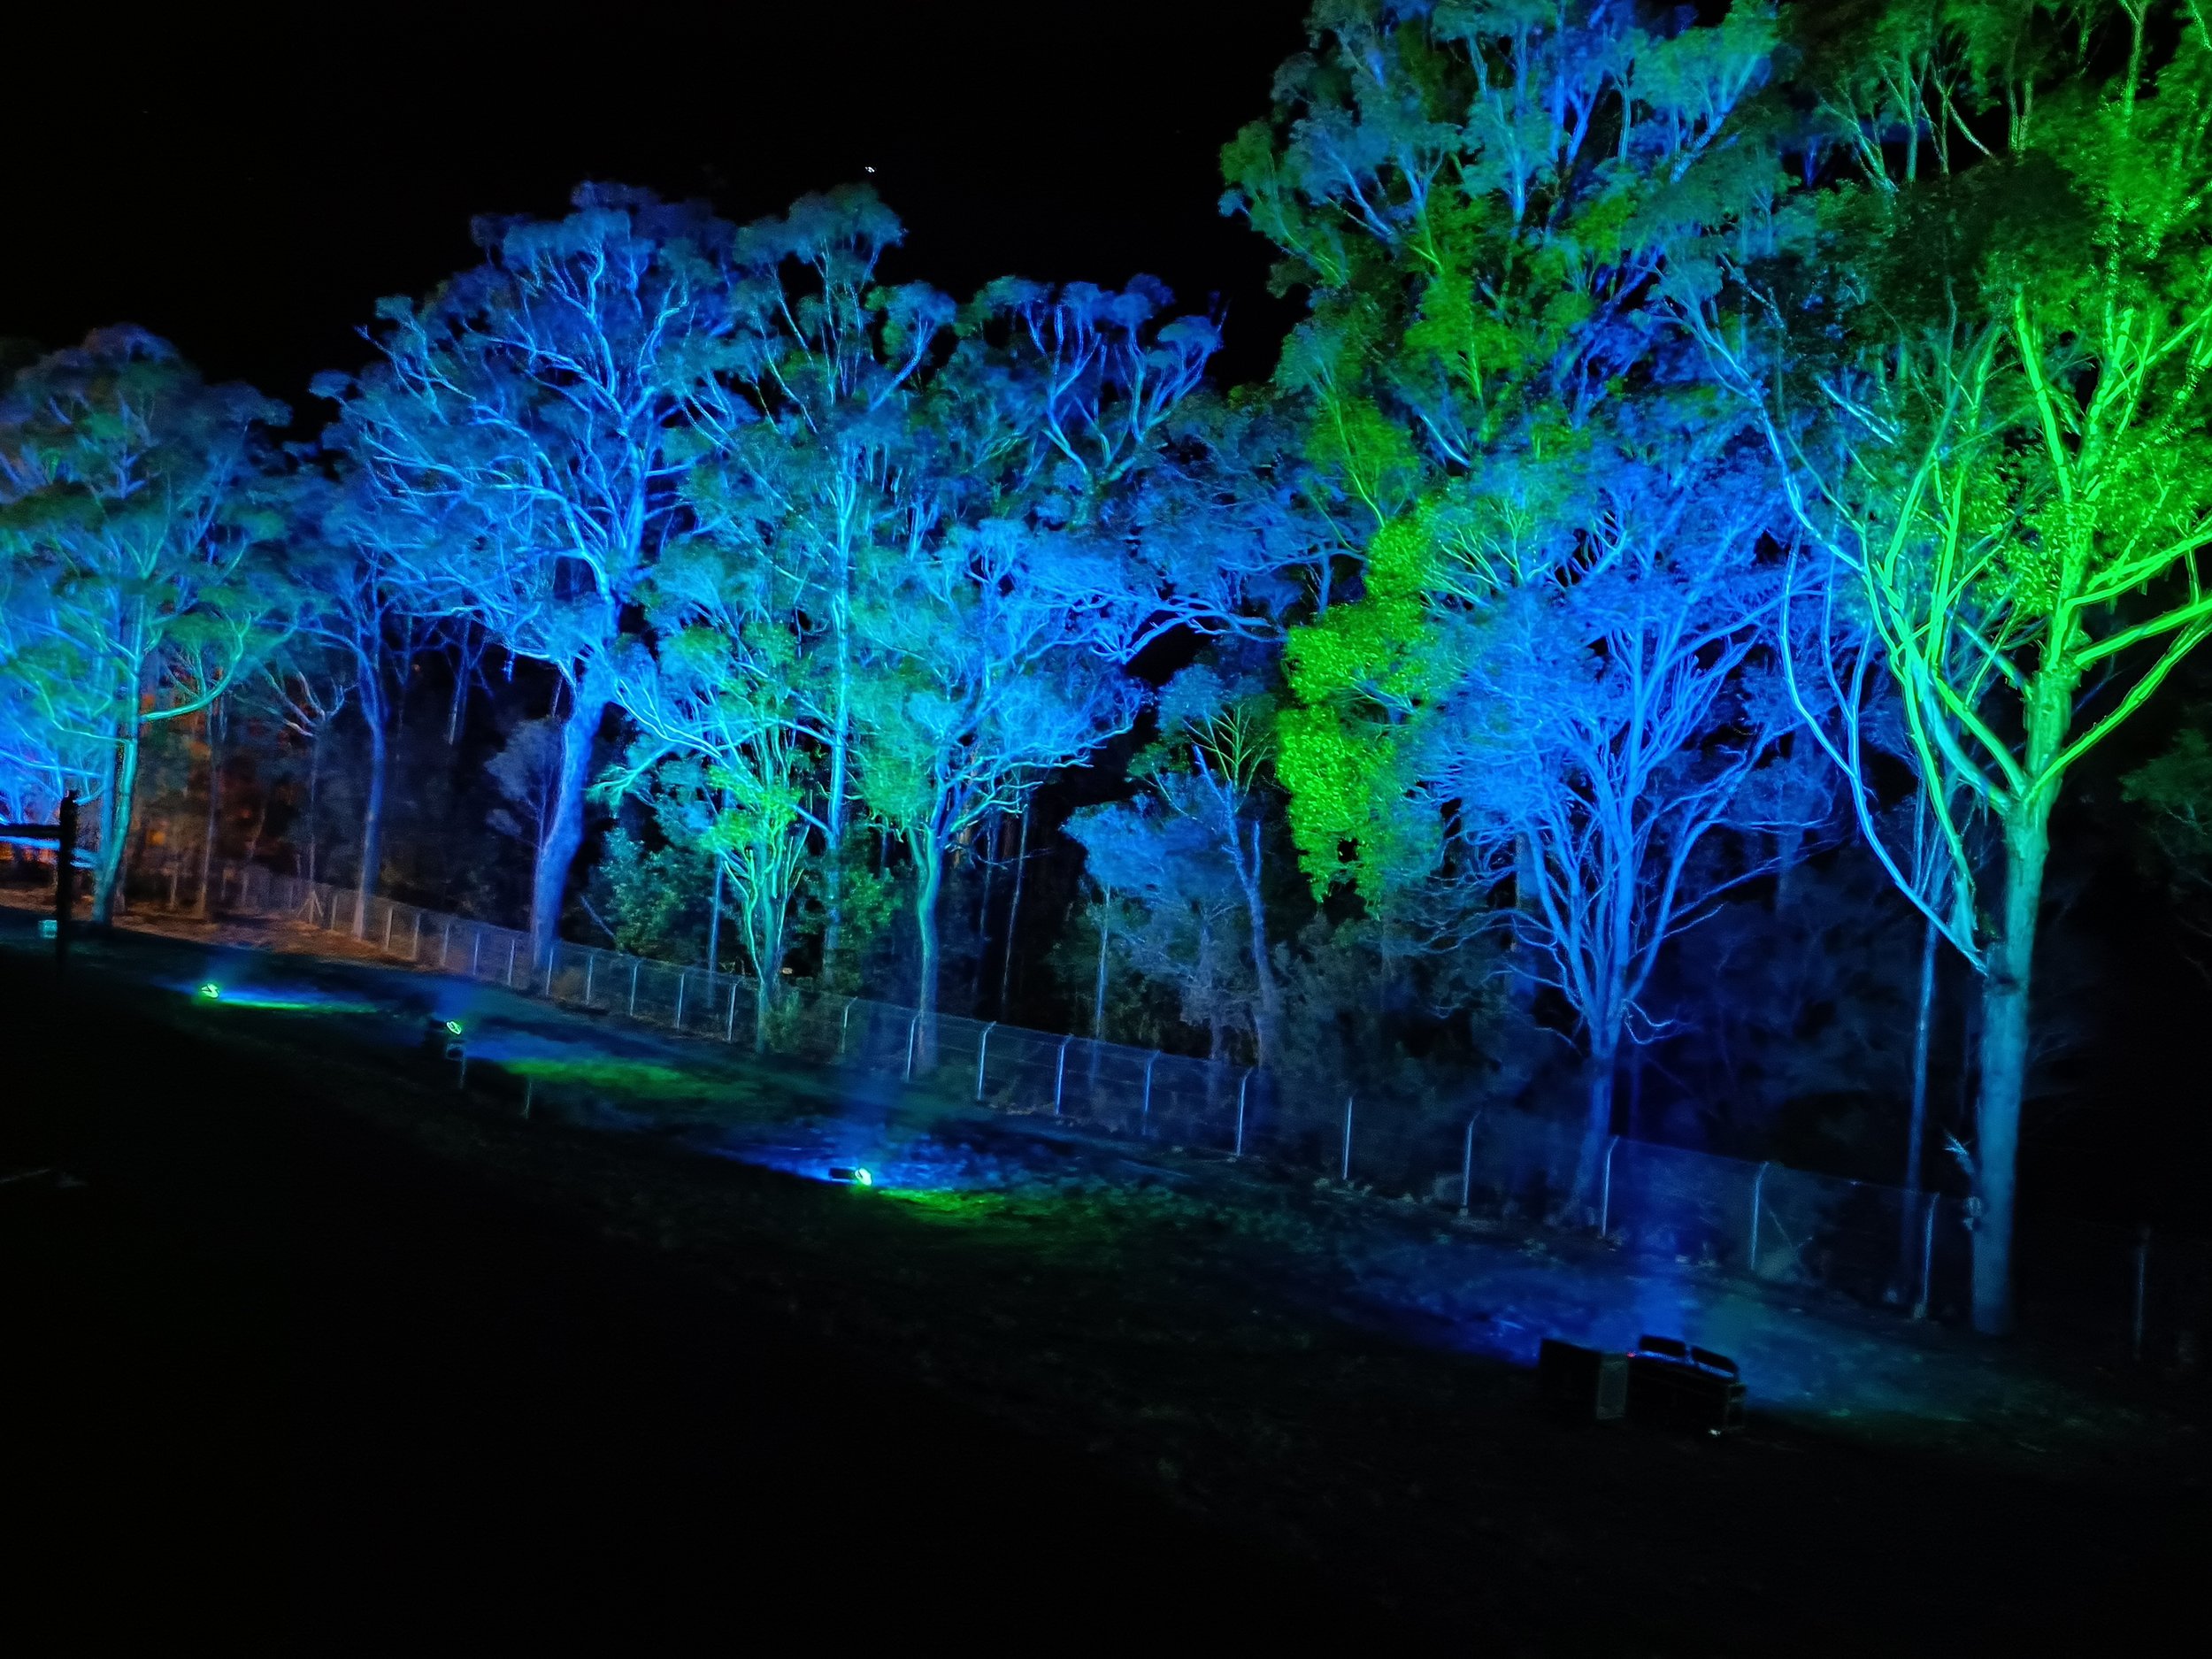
<point>248,188</point>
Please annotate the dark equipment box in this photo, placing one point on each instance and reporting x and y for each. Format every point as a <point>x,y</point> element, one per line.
<point>1672,1385</point>
<point>1581,1385</point>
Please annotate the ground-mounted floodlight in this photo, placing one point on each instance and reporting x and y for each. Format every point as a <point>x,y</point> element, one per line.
<point>211,991</point>
<point>856,1175</point>
<point>48,928</point>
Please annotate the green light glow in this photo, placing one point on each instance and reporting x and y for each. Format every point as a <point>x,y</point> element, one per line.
<point>861,1177</point>
<point>210,990</point>
<point>454,1025</point>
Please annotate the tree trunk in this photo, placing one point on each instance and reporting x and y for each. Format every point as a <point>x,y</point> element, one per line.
<point>929,880</point>
<point>1263,969</point>
<point>714,922</point>
<point>1916,1119</point>
<point>1013,914</point>
<point>2004,1061</point>
<point>1105,936</point>
<point>834,809</point>
<point>565,836</point>
<point>372,816</point>
<point>107,878</point>
<point>988,840</point>
<point>214,806</point>
<point>1597,1124</point>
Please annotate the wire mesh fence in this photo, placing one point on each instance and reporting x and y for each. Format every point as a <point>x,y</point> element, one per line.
<point>1759,1221</point>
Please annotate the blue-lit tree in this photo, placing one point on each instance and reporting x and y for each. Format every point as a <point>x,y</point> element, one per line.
<point>1193,849</point>
<point>368,614</point>
<point>523,436</point>
<point>1551,685</point>
<point>140,501</point>
<point>809,477</point>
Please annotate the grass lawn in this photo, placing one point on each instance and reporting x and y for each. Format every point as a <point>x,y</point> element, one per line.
<point>321,1345</point>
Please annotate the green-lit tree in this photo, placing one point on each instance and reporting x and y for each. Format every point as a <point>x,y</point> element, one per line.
<point>1979,340</point>
<point>142,506</point>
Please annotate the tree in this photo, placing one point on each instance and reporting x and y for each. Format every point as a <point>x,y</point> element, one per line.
<point>1190,917</point>
<point>807,474</point>
<point>525,436</point>
<point>1551,681</point>
<point>1979,343</point>
<point>728,709</point>
<point>991,681</point>
<point>138,498</point>
<point>367,614</point>
<point>1201,830</point>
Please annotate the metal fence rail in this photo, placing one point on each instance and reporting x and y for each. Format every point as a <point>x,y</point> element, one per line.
<point>1760,1221</point>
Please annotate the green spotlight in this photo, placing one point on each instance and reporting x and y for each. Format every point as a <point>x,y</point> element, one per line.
<point>210,990</point>
<point>454,1025</point>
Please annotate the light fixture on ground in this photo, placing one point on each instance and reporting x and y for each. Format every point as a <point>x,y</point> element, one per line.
<point>854,1174</point>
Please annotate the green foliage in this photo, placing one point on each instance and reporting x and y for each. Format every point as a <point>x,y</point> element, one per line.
<point>652,899</point>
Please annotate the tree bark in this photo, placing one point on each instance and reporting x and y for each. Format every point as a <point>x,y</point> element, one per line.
<point>1013,914</point>
<point>2004,1061</point>
<point>214,806</point>
<point>1916,1117</point>
<point>107,878</point>
<point>1597,1122</point>
<point>929,881</point>
<point>1249,877</point>
<point>371,816</point>
<point>565,836</point>
<point>1105,937</point>
<point>714,922</point>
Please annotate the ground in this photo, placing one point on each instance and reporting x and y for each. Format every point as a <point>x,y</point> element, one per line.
<point>353,1352</point>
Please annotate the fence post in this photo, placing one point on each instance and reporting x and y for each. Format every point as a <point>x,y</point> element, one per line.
<point>476,952</point>
<point>512,942</point>
<point>913,1026</point>
<point>729,1025</point>
<point>414,947</point>
<point>1345,1173</point>
<point>1605,1188</point>
<point>387,927</point>
<point>844,1025</point>
<point>591,964</point>
<point>1144,1119</point>
<point>1757,1182</point>
<point>1927,1256</point>
<point>445,943</point>
<point>1060,1075</point>
<point>1243,1083</point>
<point>1467,1168</point>
<point>634,967</point>
<point>982,1048</point>
<point>2142,1281</point>
<point>683,975</point>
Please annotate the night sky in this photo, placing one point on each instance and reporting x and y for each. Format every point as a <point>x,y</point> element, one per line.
<point>249,189</point>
